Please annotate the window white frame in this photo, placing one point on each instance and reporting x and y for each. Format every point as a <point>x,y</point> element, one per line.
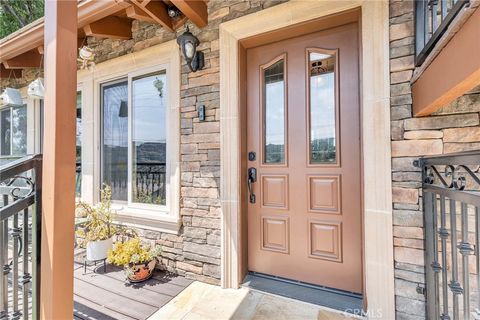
<point>131,77</point>
<point>164,56</point>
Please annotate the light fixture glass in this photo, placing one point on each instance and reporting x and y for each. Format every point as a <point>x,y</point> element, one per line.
<point>36,89</point>
<point>189,43</point>
<point>12,97</point>
<point>189,50</point>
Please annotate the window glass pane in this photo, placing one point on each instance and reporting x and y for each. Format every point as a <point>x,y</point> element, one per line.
<point>78,175</point>
<point>115,139</point>
<point>322,108</point>
<point>149,139</point>
<point>19,130</point>
<point>41,124</point>
<point>274,113</point>
<point>5,132</point>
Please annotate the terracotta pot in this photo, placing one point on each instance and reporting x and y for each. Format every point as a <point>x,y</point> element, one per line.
<point>140,272</point>
<point>98,250</point>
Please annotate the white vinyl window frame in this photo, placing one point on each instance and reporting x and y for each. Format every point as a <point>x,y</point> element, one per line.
<point>131,77</point>
<point>149,61</point>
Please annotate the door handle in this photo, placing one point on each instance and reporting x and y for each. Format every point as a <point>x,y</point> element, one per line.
<point>252,177</point>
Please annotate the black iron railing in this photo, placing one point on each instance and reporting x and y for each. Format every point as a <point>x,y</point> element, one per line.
<point>149,182</point>
<point>20,227</point>
<point>432,18</point>
<point>451,202</point>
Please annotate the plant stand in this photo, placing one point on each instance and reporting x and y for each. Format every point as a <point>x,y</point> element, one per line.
<point>95,261</point>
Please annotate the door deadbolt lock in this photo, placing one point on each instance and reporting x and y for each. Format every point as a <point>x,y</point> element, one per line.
<point>252,156</point>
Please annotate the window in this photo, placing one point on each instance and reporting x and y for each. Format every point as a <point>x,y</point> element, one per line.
<point>134,146</point>
<point>274,112</point>
<point>149,144</point>
<point>115,138</point>
<point>13,131</point>
<point>78,165</point>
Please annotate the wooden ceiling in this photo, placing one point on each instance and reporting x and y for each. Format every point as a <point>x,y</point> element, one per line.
<point>115,24</point>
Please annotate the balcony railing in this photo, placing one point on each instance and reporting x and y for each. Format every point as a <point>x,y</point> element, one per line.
<point>451,204</point>
<point>432,18</point>
<point>20,227</point>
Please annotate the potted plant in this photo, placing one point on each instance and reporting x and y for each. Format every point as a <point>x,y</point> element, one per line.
<point>139,260</point>
<point>96,233</point>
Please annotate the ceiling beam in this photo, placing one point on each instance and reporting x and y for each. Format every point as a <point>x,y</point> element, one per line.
<point>194,10</point>
<point>40,49</point>
<point>9,73</point>
<point>178,22</point>
<point>157,10</point>
<point>29,59</point>
<point>110,27</point>
<point>134,12</point>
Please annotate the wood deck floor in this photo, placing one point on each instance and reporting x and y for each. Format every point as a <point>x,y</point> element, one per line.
<point>105,295</point>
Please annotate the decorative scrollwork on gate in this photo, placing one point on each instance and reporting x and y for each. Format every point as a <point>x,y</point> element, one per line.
<point>455,177</point>
<point>20,192</point>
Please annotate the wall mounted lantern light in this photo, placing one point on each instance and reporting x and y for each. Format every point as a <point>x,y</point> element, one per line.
<point>188,43</point>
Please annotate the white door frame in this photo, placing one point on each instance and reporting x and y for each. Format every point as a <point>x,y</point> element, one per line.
<point>375,117</point>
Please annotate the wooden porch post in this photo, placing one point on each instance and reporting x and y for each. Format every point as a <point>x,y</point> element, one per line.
<point>56,297</point>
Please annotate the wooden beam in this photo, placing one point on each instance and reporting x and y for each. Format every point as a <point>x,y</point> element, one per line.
<point>134,12</point>
<point>194,10</point>
<point>453,72</point>
<point>178,22</point>
<point>143,3</point>
<point>29,59</point>
<point>110,27</point>
<point>9,73</point>
<point>157,10</point>
<point>58,187</point>
<point>40,49</point>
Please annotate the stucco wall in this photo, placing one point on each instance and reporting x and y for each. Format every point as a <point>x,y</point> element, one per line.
<point>453,128</point>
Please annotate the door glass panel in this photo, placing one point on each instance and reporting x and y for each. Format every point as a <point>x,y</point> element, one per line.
<point>323,143</point>
<point>115,139</point>
<point>274,113</point>
<point>149,145</point>
<point>5,132</point>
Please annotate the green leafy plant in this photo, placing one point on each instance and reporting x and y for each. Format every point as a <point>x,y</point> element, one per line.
<point>98,224</point>
<point>15,14</point>
<point>132,252</point>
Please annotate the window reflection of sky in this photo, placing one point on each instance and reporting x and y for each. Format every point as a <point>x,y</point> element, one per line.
<point>322,106</point>
<point>149,110</point>
<point>115,128</point>
<point>274,113</point>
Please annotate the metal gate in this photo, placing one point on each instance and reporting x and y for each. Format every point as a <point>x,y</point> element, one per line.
<point>451,202</point>
<point>20,228</point>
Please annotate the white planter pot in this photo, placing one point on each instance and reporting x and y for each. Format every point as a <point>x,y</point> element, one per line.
<point>98,250</point>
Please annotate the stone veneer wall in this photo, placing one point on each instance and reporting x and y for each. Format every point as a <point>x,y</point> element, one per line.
<point>195,252</point>
<point>454,128</point>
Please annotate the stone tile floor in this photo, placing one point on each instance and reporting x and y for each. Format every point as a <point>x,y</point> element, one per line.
<point>200,301</point>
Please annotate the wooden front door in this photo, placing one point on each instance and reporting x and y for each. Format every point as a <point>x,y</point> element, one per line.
<point>303,143</point>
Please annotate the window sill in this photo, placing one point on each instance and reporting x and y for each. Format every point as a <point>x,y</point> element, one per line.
<point>155,220</point>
